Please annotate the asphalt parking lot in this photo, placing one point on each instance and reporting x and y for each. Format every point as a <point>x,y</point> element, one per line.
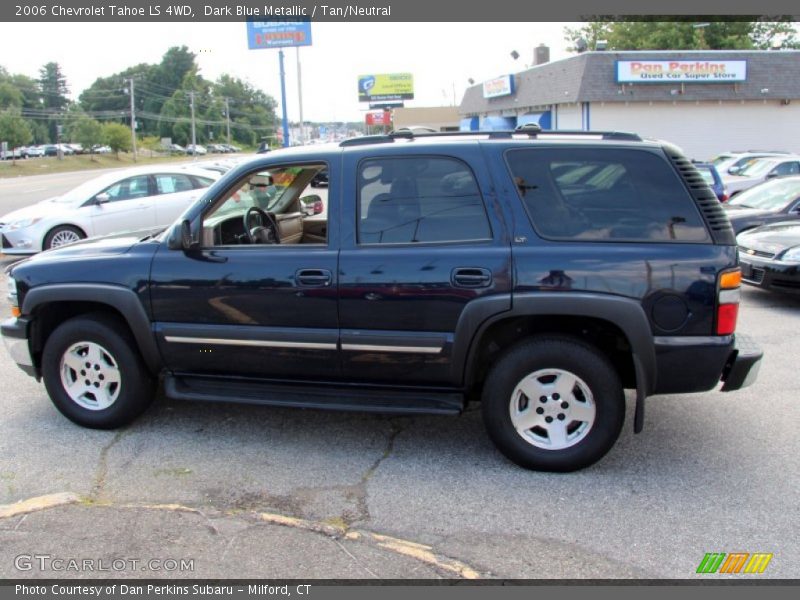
<point>246,491</point>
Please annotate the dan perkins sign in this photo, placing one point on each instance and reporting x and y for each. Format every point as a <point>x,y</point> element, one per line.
<point>499,86</point>
<point>681,71</point>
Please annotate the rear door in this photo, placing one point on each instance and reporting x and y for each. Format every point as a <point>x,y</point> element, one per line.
<point>176,191</point>
<point>421,240</point>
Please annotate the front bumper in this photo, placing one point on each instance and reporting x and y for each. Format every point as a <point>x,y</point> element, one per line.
<point>770,275</point>
<point>15,337</point>
<point>14,243</point>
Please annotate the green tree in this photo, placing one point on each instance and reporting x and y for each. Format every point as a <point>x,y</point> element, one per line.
<point>767,34</point>
<point>683,35</point>
<point>29,88</point>
<point>252,111</point>
<point>54,90</point>
<point>111,94</point>
<point>10,96</point>
<point>86,132</point>
<point>117,137</point>
<point>15,131</point>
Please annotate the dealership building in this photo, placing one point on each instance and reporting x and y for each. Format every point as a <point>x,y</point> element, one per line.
<point>706,101</point>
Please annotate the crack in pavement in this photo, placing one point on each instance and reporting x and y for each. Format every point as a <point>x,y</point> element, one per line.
<point>358,493</point>
<point>419,552</point>
<point>355,560</point>
<point>102,467</point>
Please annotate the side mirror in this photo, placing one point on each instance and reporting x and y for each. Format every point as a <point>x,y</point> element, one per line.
<point>102,198</point>
<point>734,170</point>
<point>772,175</point>
<point>180,238</point>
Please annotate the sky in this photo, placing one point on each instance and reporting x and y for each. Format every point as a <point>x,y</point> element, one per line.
<point>441,56</point>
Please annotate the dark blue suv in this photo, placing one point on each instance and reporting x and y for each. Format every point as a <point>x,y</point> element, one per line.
<point>540,274</point>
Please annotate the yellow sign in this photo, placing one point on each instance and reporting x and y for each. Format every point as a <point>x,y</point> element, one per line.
<point>387,86</point>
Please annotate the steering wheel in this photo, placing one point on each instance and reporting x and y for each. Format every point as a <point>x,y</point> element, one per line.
<point>261,234</point>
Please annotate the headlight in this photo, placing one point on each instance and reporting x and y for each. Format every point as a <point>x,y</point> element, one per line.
<point>791,255</point>
<point>11,293</point>
<point>22,224</point>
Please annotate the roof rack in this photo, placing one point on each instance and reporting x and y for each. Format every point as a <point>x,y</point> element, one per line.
<point>531,130</point>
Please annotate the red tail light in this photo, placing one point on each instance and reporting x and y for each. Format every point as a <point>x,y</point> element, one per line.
<point>728,301</point>
<point>726,318</point>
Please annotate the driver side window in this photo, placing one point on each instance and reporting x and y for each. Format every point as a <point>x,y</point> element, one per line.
<point>132,187</point>
<point>271,206</point>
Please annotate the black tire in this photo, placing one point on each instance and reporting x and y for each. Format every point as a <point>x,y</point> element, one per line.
<point>56,232</point>
<point>565,357</point>
<point>131,395</point>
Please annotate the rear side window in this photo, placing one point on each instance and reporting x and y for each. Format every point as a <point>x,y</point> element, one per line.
<point>171,184</point>
<point>787,168</point>
<point>604,195</point>
<point>424,199</point>
<point>201,182</point>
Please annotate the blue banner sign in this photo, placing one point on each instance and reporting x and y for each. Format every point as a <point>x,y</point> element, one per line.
<point>278,34</point>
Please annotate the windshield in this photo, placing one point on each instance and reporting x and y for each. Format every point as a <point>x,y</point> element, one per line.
<point>263,190</point>
<point>757,168</point>
<point>773,195</point>
<point>722,158</point>
<point>86,190</point>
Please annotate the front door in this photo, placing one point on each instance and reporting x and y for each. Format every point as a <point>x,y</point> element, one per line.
<point>128,205</point>
<point>242,305</point>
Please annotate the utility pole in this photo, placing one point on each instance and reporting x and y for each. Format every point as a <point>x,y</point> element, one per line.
<point>194,136</point>
<point>283,100</point>
<point>300,96</point>
<point>228,119</point>
<point>133,119</point>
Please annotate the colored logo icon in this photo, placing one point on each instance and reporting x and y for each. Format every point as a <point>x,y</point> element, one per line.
<point>734,563</point>
<point>365,84</point>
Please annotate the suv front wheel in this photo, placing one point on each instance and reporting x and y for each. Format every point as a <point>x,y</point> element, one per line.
<point>553,404</point>
<point>94,374</point>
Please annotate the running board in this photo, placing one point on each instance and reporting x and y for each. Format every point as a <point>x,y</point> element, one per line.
<point>328,397</point>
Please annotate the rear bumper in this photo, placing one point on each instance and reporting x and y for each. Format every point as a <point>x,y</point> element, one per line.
<point>742,368</point>
<point>698,364</point>
<point>15,337</point>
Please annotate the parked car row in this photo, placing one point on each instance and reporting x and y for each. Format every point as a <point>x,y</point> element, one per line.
<point>199,150</point>
<point>743,170</point>
<point>52,150</point>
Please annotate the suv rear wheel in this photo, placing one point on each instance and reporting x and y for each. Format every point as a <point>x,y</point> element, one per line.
<point>553,404</point>
<point>93,372</point>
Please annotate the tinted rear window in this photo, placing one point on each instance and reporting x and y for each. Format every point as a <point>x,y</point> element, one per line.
<point>426,199</point>
<point>604,194</point>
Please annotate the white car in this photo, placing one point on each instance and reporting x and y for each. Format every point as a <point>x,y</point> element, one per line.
<point>760,170</point>
<point>127,200</point>
<point>728,163</point>
<point>198,150</point>
<point>33,151</point>
<point>11,154</point>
